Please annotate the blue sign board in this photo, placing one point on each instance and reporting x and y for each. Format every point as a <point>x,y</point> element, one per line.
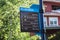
<point>33,8</point>
<point>29,18</point>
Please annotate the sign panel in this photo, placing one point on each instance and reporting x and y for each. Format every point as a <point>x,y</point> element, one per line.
<point>29,21</point>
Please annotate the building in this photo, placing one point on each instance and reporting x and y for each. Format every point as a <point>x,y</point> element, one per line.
<point>52,14</point>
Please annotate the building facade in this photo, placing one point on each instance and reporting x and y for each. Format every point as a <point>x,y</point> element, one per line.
<point>51,15</point>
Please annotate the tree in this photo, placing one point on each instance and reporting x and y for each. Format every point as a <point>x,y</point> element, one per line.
<point>10,19</point>
<point>57,36</point>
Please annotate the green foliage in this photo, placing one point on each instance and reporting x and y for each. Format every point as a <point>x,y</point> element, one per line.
<point>57,36</point>
<point>10,21</point>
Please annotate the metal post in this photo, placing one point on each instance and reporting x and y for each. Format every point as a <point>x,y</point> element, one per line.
<point>41,20</point>
<point>45,34</point>
<point>41,25</point>
<point>45,38</point>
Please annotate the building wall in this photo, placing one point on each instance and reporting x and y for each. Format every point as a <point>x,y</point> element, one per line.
<point>48,6</point>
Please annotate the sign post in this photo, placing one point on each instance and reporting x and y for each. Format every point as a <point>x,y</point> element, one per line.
<point>41,20</point>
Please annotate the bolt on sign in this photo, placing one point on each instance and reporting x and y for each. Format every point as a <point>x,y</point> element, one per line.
<point>29,19</point>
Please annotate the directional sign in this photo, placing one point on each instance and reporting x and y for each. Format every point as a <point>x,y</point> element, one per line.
<point>29,21</point>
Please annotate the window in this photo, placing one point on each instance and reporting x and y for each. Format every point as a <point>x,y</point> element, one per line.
<point>53,21</point>
<point>45,21</point>
<point>54,7</point>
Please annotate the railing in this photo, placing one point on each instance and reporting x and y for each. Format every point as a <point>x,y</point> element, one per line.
<point>58,11</point>
<point>52,27</point>
<point>52,0</point>
<point>52,13</point>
